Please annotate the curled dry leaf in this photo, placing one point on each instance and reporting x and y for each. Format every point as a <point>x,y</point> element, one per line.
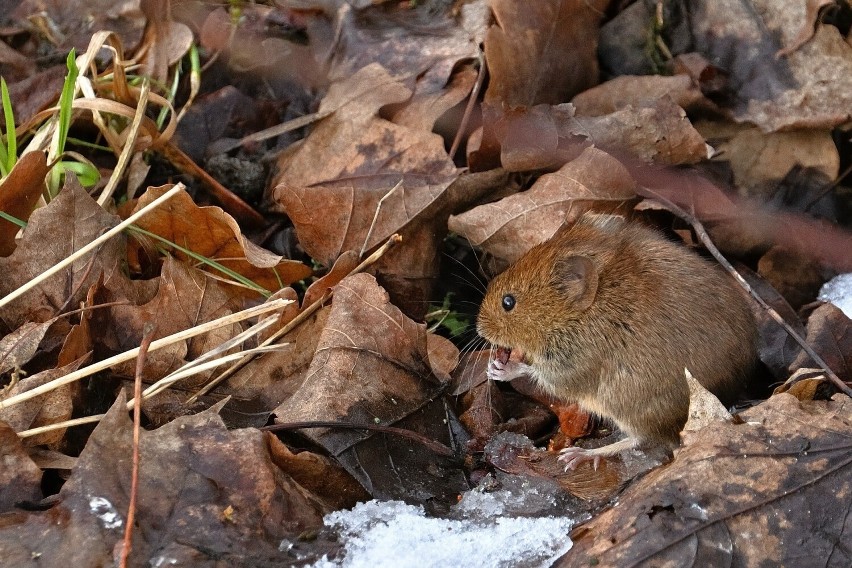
<point>212,233</point>
<point>193,471</point>
<point>19,193</point>
<point>760,160</point>
<point>68,223</point>
<point>752,493</point>
<point>508,228</point>
<point>830,334</point>
<point>49,408</point>
<point>542,52</point>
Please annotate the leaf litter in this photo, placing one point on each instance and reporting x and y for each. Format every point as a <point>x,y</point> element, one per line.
<point>737,114</point>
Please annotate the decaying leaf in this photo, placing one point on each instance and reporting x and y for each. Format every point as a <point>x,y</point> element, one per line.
<point>756,492</point>
<point>542,52</point>
<point>68,223</point>
<point>20,478</point>
<point>193,471</point>
<point>371,367</point>
<point>19,193</point>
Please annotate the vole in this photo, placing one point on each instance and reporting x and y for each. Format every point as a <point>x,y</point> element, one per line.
<point>609,313</point>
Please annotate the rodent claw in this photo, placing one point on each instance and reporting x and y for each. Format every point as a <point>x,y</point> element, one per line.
<point>574,456</point>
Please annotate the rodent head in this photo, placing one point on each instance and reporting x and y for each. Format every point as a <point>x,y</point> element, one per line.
<point>538,295</point>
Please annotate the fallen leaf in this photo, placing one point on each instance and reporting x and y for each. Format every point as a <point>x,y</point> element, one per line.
<point>68,223</point>
<point>542,52</point>
<point>788,462</point>
<point>371,367</point>
<point>637,91</point>
<point>830,335</point>
<point>19,193</point>
<point>760,160</point>
<point>192,470</point>
<point>334,183</point>
<point>20,478</point>
<point>508,228</point>
<point>213,234</point>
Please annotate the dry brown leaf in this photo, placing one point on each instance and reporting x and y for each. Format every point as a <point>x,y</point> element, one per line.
<point>542,52</point>
<point>186,297</point>
<point>212,233</point>
<point>20,478</point>
<point>19,193</point>
<point>371,367</point>
<point>331,186</point>
<point>424,109</point>
<point>637,91</point>
<point>48,408</point>
<point>425,44</point>
<point>511,226</point>
<point>68,223</point>
<point>267,382</point>
<point>830,334</point>
<point>545,137</point>
<point>788,462</point>
<point>206,495</point>
<point>810,88</point>
<point>759,160</point>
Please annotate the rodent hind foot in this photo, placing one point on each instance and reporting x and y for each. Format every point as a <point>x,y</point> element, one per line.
<point>574,455</point>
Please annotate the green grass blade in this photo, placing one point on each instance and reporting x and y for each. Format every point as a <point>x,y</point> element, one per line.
<point>236,276</point>
<point>11,149</point>
<point>13,220</point>
<point>66,99</point>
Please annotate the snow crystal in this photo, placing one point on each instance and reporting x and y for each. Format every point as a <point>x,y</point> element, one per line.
<point>838,291</point>
<point>392,533</point>
<point>105,512</point>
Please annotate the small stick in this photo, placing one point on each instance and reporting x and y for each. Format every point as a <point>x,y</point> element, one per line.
<point>376,216</point>
<point>132,353</point>
<point>468,110</point>
<point>707,242</point>
<point>92,245</point>
<point>137,426</point>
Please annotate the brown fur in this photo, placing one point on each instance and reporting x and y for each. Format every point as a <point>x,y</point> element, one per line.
<point>616,334</point>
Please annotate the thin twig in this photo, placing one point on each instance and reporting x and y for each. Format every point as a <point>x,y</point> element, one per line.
<point>708,243</point>
<point>93,245</point>
<point>303,315</point>
<point>468,110</point>
<point>150,330</point>
<point>436,447</point>
<point>376,216</point>
<point>132,353</point>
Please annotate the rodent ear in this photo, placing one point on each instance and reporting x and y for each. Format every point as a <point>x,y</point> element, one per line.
<point>577,278</point>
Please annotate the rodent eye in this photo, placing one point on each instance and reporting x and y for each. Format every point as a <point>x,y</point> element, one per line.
<point>508,302</point>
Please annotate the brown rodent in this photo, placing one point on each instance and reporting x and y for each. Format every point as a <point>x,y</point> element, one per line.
<point>608,314</point>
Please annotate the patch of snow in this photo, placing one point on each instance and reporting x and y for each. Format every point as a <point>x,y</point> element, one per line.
<point>392,533</point>
<point>105,512</point>
<point>838,291</point>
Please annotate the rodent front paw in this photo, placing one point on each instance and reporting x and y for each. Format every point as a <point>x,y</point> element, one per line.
<point>507,370</point>
<point>574,456</point>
